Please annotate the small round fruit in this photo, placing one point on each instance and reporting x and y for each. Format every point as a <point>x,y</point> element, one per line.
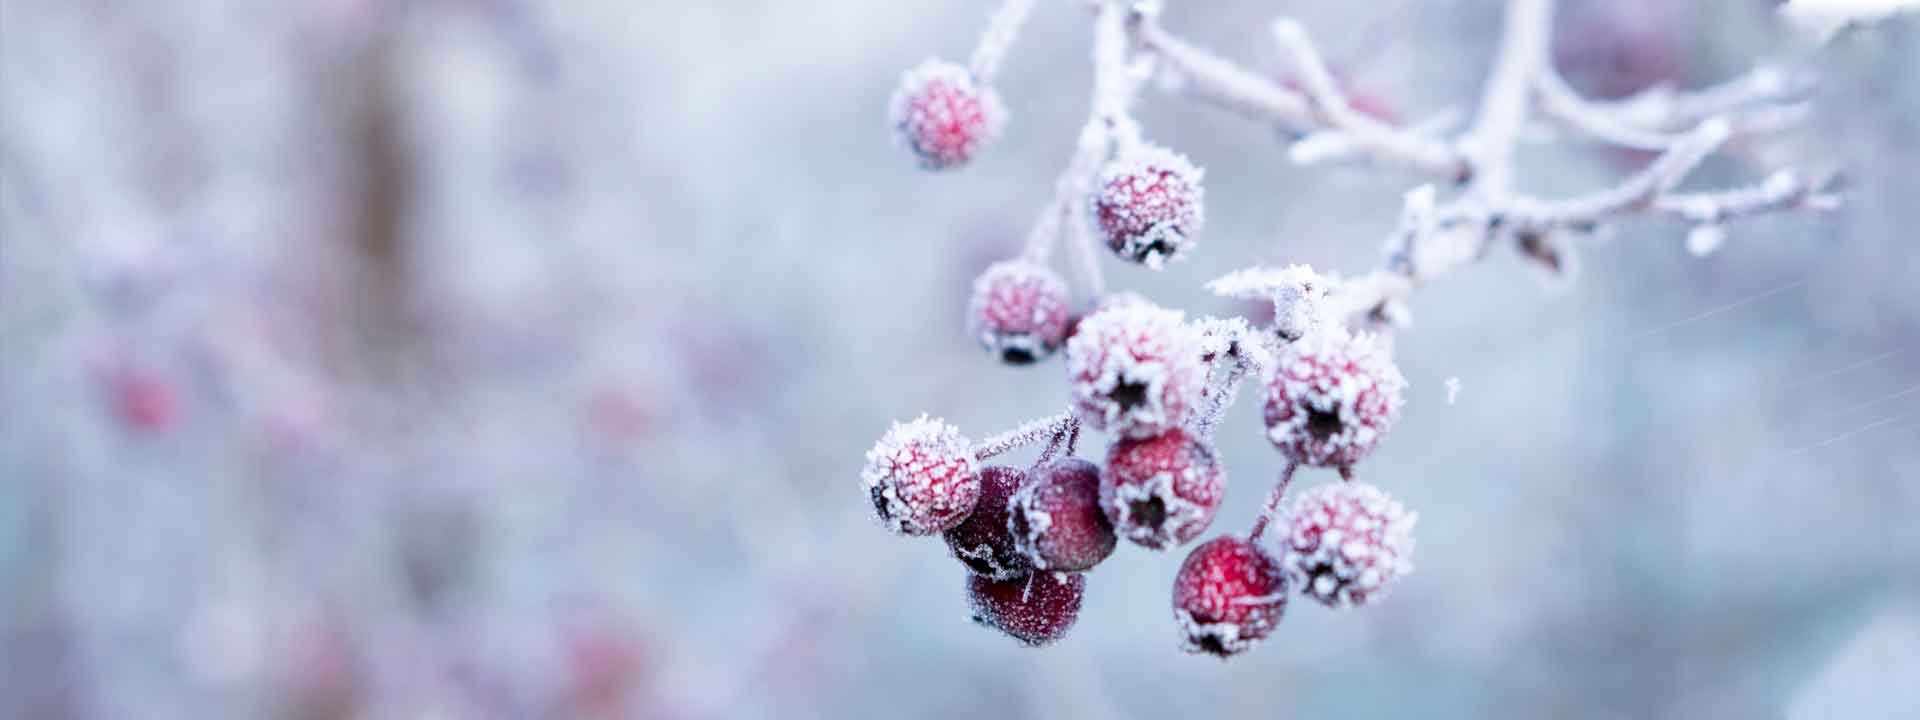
<point>1056,518</point>
<point>1019,311</point>
<point>1228,596</point>
<point>921,477</point>
<point>943,115</point>
<point>983,542</point>
<point>1161,491</point>
<point>1037,609</point>
<point>1147,205</point>
<point>1134,370</point>
<point>1347,542</point>
<point>1331,398</point>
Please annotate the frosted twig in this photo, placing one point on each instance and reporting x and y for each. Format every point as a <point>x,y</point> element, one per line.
<point>1783,190</point>
<point>1274,498</point>
<point>1027,433</point>
<point>1366,135</point>
<point>1229,340</point>
<point>1002,29</point>
<point>1107,123</point>
<point>1504,102</point>
<point>1664,108</point>
<point>1751,112</point>
<point>1637,191</point>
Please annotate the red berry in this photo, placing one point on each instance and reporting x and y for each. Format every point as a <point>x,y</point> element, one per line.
<point>1056,518</point>
<point>1148,205</point>
<point>983,543</point>
<point>943,115</point>
<point>1037,609</point>
<point>1228,596</point>
<point>1346,542</point>
<point>1019,311</point>
<point>921,477</point>
<point>1135,370</point>
<point>1161,491</point>
<point>1331,398</point>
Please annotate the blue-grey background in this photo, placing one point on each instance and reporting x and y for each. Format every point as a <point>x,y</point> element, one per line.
<point>514,359</point>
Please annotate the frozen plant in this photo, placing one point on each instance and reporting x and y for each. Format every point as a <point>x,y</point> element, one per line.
<point>1158,382</point>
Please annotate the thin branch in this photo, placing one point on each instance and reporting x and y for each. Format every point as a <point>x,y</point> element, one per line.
<point>1504,102</point>
<point>1028,433</point>
<point>1272,508</point>
<point>1367,135</point>
<point>1002,29</point>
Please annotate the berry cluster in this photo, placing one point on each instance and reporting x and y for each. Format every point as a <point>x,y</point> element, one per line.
<point>1156,383</point>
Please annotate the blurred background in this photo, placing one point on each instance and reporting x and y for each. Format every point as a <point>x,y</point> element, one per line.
<point>503,359</point>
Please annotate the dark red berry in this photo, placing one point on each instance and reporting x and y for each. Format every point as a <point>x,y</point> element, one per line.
<point>1161,491</point>
<point>1056,518</point>
<point>1228,596</point>
<point>983,543</point>
<point>1037,609</point>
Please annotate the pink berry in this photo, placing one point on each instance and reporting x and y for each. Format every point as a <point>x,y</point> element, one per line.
<point>1019,311</point>
<point>983,542</point>
<point>1037,609</point>
<point>1346,542</point>
<point>1135,370</point>
<point>1148,205</point>
<point>1331,398</point>
<point>1056,518</point>
<point>1161,491</point>
<point>943,115</point>
<point>921,477</point>
<point>1228,596</point>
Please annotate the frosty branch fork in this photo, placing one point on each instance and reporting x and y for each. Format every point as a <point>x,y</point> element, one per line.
<point>1158,383</point>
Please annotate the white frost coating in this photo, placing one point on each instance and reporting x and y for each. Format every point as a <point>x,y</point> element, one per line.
<point>1135,370</point>
<point>1347,542</point>
<point>1180,512</point>
<point>932,114</point>
<point>1704,239</point>
<point>1453,389</point>
<point>1027,433</point>
<point>1150,205</point>
<point>1194,634</point>
<point>1825,18</point>
<point>1300,296</point>
<point>1002,29</point>
<point>918,474</point>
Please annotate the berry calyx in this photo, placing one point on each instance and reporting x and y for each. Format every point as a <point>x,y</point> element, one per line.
<point>1134,370</point>
<point>982,542</point>
<point>1056,519</point>
<point>1161,491</point>
<point>1147,205</point>
<point>1346,543</point>
<point>1019,311</point>
<point>1228,597</point>
<point>943,115</point>
<point>1037,609</point>
<point>1331,398</point>
<point>921,477</point>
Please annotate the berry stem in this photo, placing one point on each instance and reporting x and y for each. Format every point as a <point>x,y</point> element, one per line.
<point>1274,498</point>
<point>1027,433</point>
<point>1346,473</point>
<point>1002,29</point>
<point>1221,395</point>
<point>1062,438</point>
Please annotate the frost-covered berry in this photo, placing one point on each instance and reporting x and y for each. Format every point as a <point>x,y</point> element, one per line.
<point>1135,370</point>
<point>1147,205</point>
<point>1161,491</point>
<point>1346,542</point>
<point>1331,398</point>
<point>1228,597</point>
<point>1019,311</point>
<point>1056,517</point>
<point>921,477</point>
<point>1036,609</point>
<point>943,115</point>
<point>983,543</point>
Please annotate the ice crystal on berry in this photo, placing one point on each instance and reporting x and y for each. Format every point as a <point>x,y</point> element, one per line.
<point>921,477</point>
<point>1036,609</point>
<point>1346,542</point>
<point>943,115</point>
<point>983,542</point>
<point>1161,491</point>
<point>1019,311</point>
<point>1056,518</point>
<point>1228,596</point>
<point>1135,370</point>
<point>1147,204</point>
<point>1331,398</point>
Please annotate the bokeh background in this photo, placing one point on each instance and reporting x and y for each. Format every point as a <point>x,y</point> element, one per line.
<point>501,359</point>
